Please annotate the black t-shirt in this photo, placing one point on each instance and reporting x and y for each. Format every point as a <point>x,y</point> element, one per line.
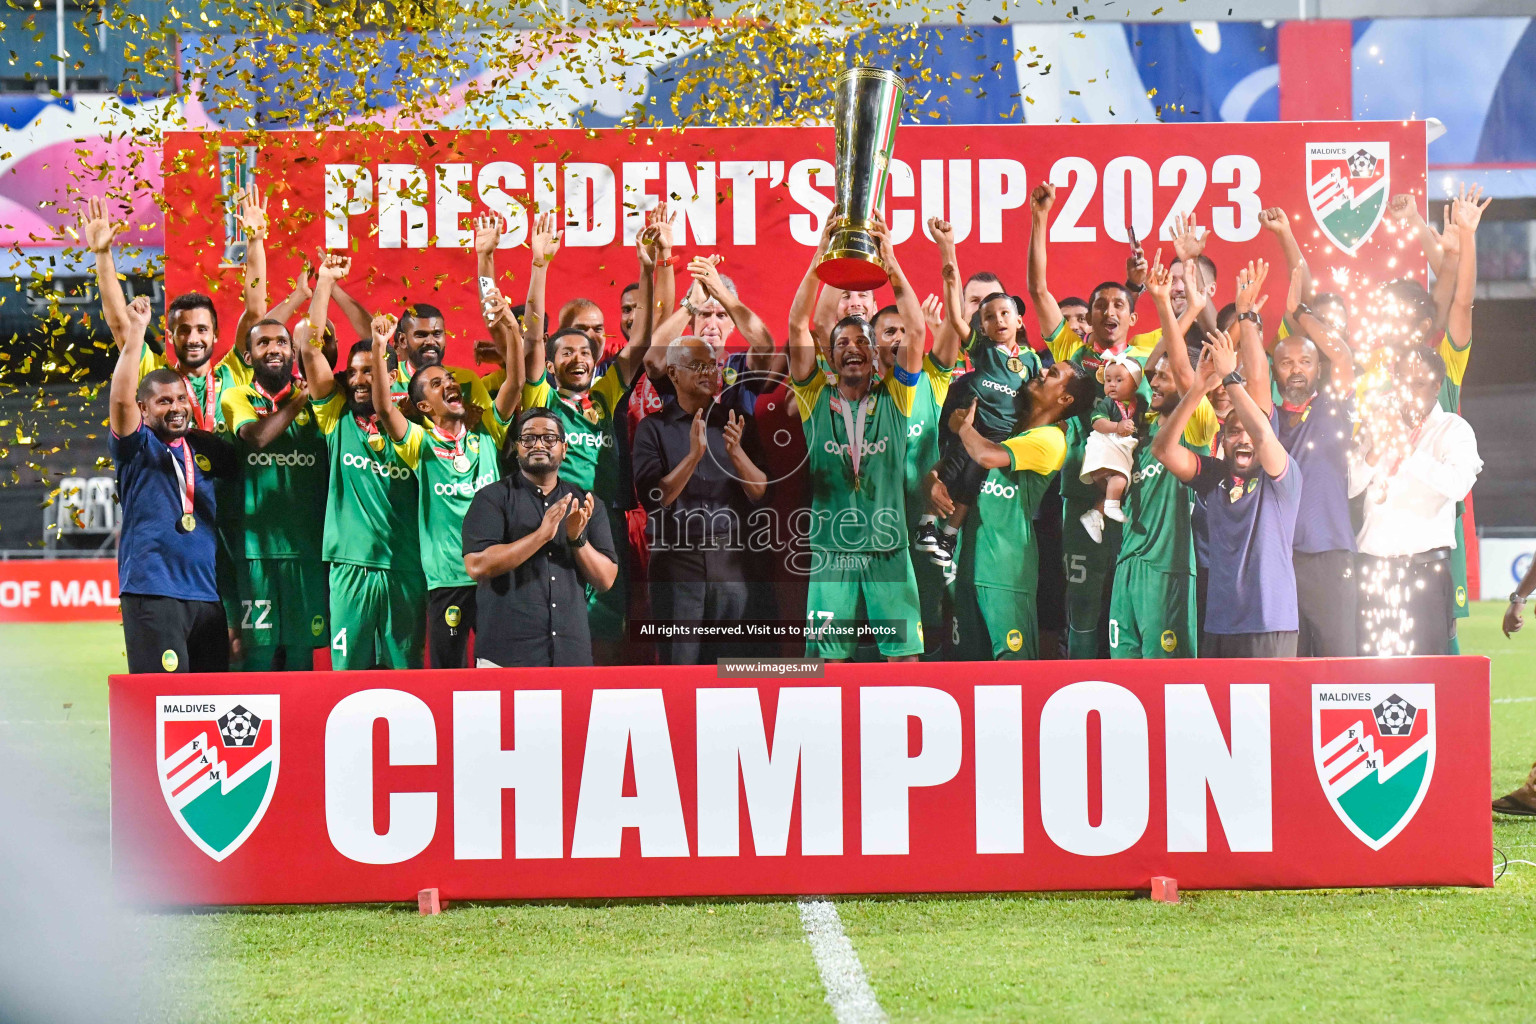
<point>535,615</point>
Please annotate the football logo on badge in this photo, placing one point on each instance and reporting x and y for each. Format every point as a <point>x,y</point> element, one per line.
<point>730,375</point>
<point>1347,185</point>
<point>1015,640</point>
<point>217,760</point>
<point>1169,641</point>
<point>1374,747</point>
<point>451,616</point>
<point>169,661</point>
<point>473,443</point>
<point>317,625</point>
<point>1461,597</point>
<point>203,463</point>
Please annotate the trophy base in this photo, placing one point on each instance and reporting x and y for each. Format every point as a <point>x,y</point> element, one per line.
<point>853,270</point>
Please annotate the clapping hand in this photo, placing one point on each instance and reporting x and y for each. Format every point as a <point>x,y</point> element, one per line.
<point>733,430</point>
<point>580,514</point>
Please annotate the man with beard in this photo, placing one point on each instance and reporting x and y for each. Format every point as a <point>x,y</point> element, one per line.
<point>377,590</point>
<point>1152,609</point>
<point>999,554</point>
<point>697,478</point>
<point>564,376</point>
<point>1192,285</point>
<point>1088,565</point>
<point>856,440</point>
<point>1315,423</point>
<point>421,337</point>
<point>454,452</point>
<point>1413,469</point>
<point>172,621</point>
<point>712,312</point>
<point>282,600</point>
<point>1252,494</point>
<point>535,543</point>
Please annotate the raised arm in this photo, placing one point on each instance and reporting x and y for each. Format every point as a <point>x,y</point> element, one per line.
<point>1277,223</point>
<point>543,245</point>
<point>1328,339</point>
<point>123,413</point>
<point>253,222</point>
<point>1180,461</point>
<point>1266,446</point>
<point>1449,272</point>
<point>1172,345</point>
<point>356,314</point>
<point>316,368</point>
<point>952,294</point>
<point>508,338</point>
<point>99,232</point>
<point>946,341</point>
<point>1189,240</point>
<point>1404,209</point>
<point>762,354</point>
<point>985,453</point>
<point>382,331</point>
<point>297,300</point>
<point>907,305</point>
<point>1250,338</point>
<point>666,274</point>
<point>802,339</point>
<point>631,357</point>
<point>1467,215</point>
<point>1047,312</point>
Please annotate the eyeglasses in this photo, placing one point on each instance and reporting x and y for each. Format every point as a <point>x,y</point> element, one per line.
<point>538,440</point>
<point>701,368</point>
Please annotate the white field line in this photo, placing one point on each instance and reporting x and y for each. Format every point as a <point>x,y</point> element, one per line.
<point>842,975</point>
<point>1513,700</point>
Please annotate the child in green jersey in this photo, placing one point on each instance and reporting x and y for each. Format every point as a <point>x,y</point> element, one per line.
<point>1112,441</point>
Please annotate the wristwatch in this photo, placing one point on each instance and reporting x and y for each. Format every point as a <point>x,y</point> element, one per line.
<point>1235,377</point>
<point>690,307</point>
<point>1515,598</point>
<point>1251,315</point>
<point>579,542</point>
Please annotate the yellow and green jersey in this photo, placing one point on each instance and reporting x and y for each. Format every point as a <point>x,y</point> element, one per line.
<point>371,501</point>
<point>923,428</point>
<point>1158,529</point>
<point>284,483</point>
<point>863,511</point>
<point>591,430</point>
<point>469,383</point>
<point>1456,358</point>
<point>449,470</point>
<point>998,547</point>
<point>997,376</point>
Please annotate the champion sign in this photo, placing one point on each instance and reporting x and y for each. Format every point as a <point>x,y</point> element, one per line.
<point>659,782</point>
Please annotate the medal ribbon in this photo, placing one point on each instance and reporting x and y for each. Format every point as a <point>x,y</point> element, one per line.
<point>855,430</point>
<point>457,442</point>
<point>207,416</point>
<point>274,399</point>
<point>186,479</point>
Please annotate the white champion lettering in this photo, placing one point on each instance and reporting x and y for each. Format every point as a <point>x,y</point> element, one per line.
<point>387,470</point>
<point>288,459</point>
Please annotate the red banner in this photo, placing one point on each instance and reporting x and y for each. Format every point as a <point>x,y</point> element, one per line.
<point>58,590</point>
<point>366,786</point>
<point>402,203</point>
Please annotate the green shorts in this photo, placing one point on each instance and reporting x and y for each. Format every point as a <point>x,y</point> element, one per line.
<point>852,587</point>
<point>283,604</point>
<point>1152,614</point>
<point>378,617</point>
<point>993,624</point>
<point>231,577</point>
<point>1090,568</point>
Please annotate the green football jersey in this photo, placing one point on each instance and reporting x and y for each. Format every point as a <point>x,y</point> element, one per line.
<point>591,434</point>
<point>998,546</point>
<point>371,505</point>
<point>445,491</point>
<point>1158,505</point>
<point>1066,346</point>
<point>285,482</point>
<point>923,432</point>
<point>867,512</point>
<point>997,376</point>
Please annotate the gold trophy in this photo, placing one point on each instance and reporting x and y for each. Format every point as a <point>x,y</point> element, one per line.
<point>867,111</point>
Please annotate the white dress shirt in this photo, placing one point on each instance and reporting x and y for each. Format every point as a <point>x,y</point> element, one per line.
<point>1412,509</point>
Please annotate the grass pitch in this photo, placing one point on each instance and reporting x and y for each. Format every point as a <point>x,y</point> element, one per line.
<point>1448,954</point>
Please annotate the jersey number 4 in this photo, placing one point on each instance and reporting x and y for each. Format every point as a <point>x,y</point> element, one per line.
<point>261,609</point>
<point>339,642</point>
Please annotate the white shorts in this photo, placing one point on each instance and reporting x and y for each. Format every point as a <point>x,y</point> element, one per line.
<point>1108,451</point>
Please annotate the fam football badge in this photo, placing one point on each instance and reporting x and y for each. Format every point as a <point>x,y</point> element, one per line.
<point>1347,186</point>
<point>218,759</point>
<point>1375,752</point>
